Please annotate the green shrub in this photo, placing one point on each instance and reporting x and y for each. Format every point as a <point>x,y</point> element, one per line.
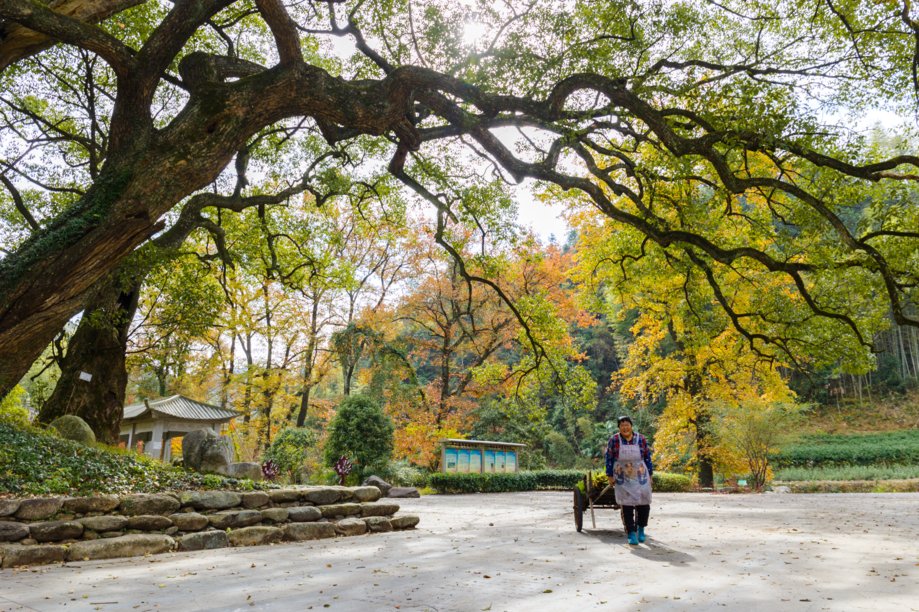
<point>403,474</point>
<point>362,432</point>
<point>12,410</point>
<point>290,450</point>
<point>665,482</point>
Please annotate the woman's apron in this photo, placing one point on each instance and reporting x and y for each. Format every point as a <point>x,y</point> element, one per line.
<point>633,484</point>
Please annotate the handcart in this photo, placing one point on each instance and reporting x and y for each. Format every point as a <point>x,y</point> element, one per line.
<point>592,497</point>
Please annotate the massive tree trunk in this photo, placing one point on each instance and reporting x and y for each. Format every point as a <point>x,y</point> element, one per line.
<point>97,349</point>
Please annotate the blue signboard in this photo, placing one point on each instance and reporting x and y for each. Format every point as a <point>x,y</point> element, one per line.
<point>489,461</point>
<point>451,459</point>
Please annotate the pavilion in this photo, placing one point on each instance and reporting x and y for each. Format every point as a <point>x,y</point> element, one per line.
<point>155,422</point>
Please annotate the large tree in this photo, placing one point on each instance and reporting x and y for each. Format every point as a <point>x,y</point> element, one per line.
<point>614,100</point>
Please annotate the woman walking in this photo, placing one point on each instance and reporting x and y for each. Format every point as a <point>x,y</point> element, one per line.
<point>629,469</point>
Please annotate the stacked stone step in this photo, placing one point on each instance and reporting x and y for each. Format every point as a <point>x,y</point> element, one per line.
<point>57,529</point>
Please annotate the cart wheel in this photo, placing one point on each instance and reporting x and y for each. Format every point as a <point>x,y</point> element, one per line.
<point>579,505</point>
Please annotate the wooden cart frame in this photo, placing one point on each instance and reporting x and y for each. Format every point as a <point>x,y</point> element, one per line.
<point>591,499</point>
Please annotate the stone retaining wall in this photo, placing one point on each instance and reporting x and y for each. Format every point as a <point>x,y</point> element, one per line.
<point>58,529</point>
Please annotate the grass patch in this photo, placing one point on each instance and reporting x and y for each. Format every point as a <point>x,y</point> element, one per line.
<point>826,450</point>
<point>36,462</point>
<point>855,486</point>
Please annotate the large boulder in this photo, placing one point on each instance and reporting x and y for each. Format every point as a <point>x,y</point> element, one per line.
<point>379,509</point>
<point>376,481</point>
<point>204,540</point>
<point>255,536</point>
<point>406,521</point>
<point>16,555</point>
<point>104,523</point>
<point>255,499</point>
<point>71,427</point>
<point>189,521</point>
<point>148,503</point>
<point>303,514</point>
<point>211,500</point>
<point>299,532</point>
<point>234,519</point>
<point>11,531</point>
<point>134,545</point>
<point>340,510</point>
<point>39,508</point>
<point>55,531</point>
<point>206,452</point>
<point>8,506</point>
<point>252,471</point>
<point>149,522</point>
<point>403,492</point>
<point>96,503</point>
<point>351,527</point>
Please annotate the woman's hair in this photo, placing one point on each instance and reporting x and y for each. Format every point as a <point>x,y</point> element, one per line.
<point>624,418</point>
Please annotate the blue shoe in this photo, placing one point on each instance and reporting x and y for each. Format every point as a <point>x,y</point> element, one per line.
<point>641,534</point>
<point>633,538</point>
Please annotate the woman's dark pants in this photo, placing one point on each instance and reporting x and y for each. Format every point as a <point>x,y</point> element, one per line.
<point>634,517</point>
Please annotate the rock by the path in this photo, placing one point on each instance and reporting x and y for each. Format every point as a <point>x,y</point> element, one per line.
<point>303,514</point>
<point>404,492</point>
<point>55,531</point>
<point>255,499</point>
<point>15,555</point>
<point>39,508</point>
<point>104,523</point>
<point>406,521</point>
<point>282,496</point>
<point>298,532</point>
<point>149,522</point>
<point>148,503</point>
<point>255,536</point>
<point>351,526</point>
<point>378,524</point>
<point>8,507</point>
<point>366,494</point>
<point>321,495</point>
<point>133,545</point>
<point>95,503</point>
<point>336,510</point>
<point>11,531</point>
<point>230,519</point>
<point>379,509</point>
<point>204,540</point>
<point>275,515</point>
<point>376,481</point>
<point>211,500</point>
<point>189,521</point>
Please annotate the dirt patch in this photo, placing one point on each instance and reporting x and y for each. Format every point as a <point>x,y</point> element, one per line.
<point>520,551</point>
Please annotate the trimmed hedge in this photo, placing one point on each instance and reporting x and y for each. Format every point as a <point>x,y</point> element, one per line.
<point>536,481</point>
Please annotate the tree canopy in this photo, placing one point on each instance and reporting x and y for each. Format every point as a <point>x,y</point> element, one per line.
<point>718,133</point>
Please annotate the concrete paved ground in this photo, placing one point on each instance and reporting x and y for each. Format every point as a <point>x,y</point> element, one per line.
<point>520,551</point>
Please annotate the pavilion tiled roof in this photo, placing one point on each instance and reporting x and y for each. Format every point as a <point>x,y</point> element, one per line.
<point>178,407</point>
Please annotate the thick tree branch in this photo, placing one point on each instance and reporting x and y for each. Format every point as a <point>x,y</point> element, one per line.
<point>69,30</point>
